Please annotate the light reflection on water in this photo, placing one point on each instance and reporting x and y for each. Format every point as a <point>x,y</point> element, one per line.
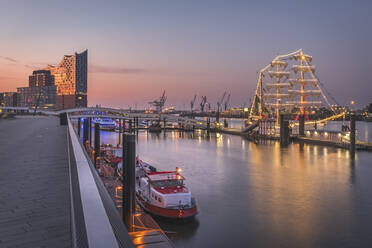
<point>262,195</point>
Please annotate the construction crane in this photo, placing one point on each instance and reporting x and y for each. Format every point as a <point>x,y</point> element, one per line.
<point>202,103</point>
<point>159,103</point>
<point>227,102</point>
<point>218,107</point>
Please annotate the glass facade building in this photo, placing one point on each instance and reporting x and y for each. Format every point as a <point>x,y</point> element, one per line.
<point>70,79</point>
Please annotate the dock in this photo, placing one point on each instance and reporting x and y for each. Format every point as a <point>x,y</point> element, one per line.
<point>360,145</point>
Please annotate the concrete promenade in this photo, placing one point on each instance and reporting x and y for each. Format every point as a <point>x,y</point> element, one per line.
<point>34,183</point>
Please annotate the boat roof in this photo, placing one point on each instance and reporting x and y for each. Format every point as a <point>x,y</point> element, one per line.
<point>164,175</point>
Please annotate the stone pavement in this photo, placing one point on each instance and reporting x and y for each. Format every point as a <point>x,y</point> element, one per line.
<point>34,183</point>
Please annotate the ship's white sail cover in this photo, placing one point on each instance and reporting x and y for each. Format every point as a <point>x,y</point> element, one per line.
<point>294,93</point>
<point>300,56</point>
<point>307,81</point>
<point>306,103</point>
<point>273,95</point>
<point>279,63</point>
<point>280,85</point>
<point>279,74</point>
<point>303,68</point>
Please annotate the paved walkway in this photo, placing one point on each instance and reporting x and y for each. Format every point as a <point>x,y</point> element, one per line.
<point>34,183</point>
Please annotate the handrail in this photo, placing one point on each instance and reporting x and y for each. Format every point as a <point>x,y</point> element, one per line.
<point>99,232</point>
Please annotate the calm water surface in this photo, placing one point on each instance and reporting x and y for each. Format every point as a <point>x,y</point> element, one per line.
<point>261,195</point>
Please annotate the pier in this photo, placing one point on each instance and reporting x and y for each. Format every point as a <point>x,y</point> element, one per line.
<point>35,205</point>
<point>49,196</point>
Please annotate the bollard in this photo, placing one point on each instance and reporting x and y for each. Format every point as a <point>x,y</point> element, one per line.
<point>90,131</point>
<point>301,127</point>
<point>97,142</point>
<point>85,131</point>
<point>130,126</point>
<point>129,163</point>
<point>79,127</point>
<point>208,126</point>
<point>63,119</point>
<point>284,131</point>
<point>120,131</point>
<point>352,136</point>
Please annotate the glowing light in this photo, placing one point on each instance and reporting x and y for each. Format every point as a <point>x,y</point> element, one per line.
<point>325,134</point>
<point>179,170</point>
<point>245,109</point>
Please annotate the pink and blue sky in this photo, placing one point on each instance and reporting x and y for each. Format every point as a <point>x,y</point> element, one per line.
<point>137,49</point>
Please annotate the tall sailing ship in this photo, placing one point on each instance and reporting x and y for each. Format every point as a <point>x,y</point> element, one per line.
<point>288,85</point>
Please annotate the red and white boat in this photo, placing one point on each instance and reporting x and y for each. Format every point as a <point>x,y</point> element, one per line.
<point>163,193</point>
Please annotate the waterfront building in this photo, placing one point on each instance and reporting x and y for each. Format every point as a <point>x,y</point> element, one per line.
<point>41,78</point>
<point>44,96</point>
<point>70,79</point>
<point>8,99</point>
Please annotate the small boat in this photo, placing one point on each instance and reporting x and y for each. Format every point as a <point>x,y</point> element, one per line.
<point>105,123</point>
<point>155,128</point>
<point>164,193</point>
<point>112,154</point>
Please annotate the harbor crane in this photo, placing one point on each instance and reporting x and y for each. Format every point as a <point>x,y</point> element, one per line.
<point>227,102</point>
<point>192,105</point>
<point>159,103</point>
<point>202,103</point>
<point>192,102</point>
<point>218,107</point>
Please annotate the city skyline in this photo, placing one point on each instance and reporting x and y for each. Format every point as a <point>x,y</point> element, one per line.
<point>138,50</point>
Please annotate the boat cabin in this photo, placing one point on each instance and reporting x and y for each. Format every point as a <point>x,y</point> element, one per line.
<point>164,189</point>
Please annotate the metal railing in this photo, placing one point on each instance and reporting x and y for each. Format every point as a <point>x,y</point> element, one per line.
<point>95,219</point>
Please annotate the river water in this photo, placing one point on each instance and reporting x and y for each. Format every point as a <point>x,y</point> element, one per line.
<point>262,195</point>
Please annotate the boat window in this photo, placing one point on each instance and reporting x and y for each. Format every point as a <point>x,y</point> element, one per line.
<point>159,199</point>
<point>168,183</point>
<point>156,197</point>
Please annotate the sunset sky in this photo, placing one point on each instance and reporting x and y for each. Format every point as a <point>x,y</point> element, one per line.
<point>137,49</point>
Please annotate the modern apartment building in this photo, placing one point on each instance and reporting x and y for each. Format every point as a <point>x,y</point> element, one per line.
<point>40,78</point>
<point>8,99</point>
<point>42,96</point>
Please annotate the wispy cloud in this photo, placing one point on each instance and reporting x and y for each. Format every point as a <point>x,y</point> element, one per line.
<point>115,70</point>
<point>32,67</point>
<point>9,59</point>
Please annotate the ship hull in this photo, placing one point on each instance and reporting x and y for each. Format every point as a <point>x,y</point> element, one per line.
<point>174,214</point>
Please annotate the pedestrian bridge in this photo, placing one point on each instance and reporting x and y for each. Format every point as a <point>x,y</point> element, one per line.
<point>112,113</point>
